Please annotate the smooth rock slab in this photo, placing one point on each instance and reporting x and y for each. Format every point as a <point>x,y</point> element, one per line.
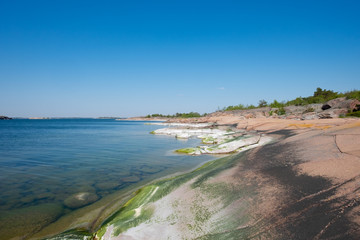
<point>233,145</point>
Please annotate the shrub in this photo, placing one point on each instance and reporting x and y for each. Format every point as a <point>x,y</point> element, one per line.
<point>354,94</point>
<point>236,107</point>
<point>281,111</point>
<point>276,104</point>
<point>262,103</point>
<point>353,114</point>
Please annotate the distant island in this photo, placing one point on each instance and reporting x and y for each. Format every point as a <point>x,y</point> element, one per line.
<point>5,118</point>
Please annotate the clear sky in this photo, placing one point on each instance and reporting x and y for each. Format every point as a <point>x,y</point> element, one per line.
<point>129,58</point>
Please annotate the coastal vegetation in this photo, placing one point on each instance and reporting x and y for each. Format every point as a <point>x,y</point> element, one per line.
<point>353,114</point>
<point>319,96</point>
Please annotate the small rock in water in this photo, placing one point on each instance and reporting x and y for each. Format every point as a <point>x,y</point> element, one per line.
<point>80,199</point>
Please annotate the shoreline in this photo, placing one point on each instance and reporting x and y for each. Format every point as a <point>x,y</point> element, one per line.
<point>101,210</point>
<point>113,203</point>
<point>270,193</point>
<point>10,228</point>
<point>292,130</point>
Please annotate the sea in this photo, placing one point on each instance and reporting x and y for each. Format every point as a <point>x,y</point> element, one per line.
<point>47,165</point>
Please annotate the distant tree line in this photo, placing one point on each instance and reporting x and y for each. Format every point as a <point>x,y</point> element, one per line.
<point>319,96</point>
<point>177,115</point>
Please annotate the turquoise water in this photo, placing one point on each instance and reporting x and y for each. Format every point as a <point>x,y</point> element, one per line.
<point>44,163</point>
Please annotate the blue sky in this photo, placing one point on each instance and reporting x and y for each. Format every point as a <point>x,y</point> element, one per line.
<point>130,58</point>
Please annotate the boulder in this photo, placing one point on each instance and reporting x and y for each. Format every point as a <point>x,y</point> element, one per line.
<point>333,103</point>
<point>339,103</point>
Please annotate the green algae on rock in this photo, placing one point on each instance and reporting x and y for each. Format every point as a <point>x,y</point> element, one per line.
<point>143,210</point>
<point>186,150</point>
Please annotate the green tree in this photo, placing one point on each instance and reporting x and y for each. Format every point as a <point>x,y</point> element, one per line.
<point>262,103</point>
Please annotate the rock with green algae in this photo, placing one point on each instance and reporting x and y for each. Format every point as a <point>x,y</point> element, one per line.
<point>229,146</point>
<point>209,140</point>
<point>190,151</point>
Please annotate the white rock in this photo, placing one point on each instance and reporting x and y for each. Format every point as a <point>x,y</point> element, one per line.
<point>234,145</point>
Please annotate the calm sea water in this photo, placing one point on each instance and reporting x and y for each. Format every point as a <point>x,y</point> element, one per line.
<point>44,163</point>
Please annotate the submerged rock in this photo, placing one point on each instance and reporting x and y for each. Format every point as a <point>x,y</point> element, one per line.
<point>80,199</point>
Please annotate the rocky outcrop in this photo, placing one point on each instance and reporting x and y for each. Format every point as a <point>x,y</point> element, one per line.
<point>332,109</point>
<point>333,113</point>
<point>342,103</point>
<point>4,118</point>
<point>223,139</point>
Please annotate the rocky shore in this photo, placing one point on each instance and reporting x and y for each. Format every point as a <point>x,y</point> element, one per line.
<point>304,184</point>
<point>217,139</point>
<point>286,179</point>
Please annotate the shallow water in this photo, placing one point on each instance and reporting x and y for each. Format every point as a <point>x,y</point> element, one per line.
<point>46,164</point>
